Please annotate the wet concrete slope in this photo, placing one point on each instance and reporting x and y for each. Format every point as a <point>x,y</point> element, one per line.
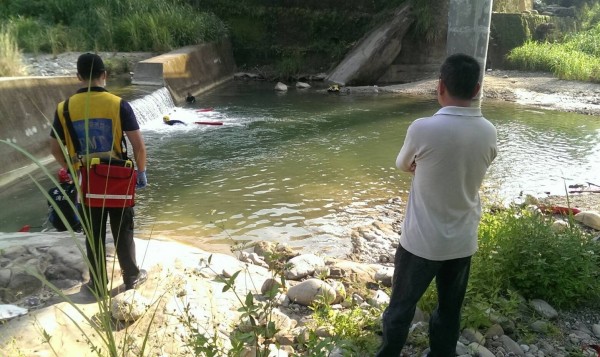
<point>27,106</point>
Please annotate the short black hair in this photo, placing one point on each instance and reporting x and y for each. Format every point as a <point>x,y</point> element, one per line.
<point>90,66</point>
<point>460,74</point>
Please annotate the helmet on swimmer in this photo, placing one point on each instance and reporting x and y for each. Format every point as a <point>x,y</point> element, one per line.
<point>166,118</point>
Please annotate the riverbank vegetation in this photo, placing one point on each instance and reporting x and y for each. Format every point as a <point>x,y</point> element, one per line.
<point>10,61</point>
<point>56,26</point>
<point>282,38</point>
<point>574,56</point>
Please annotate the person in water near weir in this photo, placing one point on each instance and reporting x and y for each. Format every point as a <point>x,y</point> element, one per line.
<point>167,120</point>
<point>190,98</point>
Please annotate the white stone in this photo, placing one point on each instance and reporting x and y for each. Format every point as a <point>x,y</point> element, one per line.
<point>589,218</point>
<point>379,299</point>
<point>282,322</point>
<point>543,308</point>
<point>473,336</point>
<point>385,275</point>
<point>596,330</point>
<point>129,306</point>
<point>511,346</point>
<point>281,87</point>
<point>276,352</point>
<point>559,225</point>
<point>302,85</point>
<point>10,311</point>
<point>310,291</point>
<point>340,290</point>
<point>480,350</point>
<point>303,266</point>
<point>257,260</point>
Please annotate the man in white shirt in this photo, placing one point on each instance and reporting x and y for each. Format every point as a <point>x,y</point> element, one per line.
<point>448,154</point>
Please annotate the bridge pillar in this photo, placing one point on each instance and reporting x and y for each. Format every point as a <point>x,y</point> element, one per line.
<point>469,30</point>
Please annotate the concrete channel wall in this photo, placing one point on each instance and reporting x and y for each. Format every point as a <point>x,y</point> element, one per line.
<point>27,104</point>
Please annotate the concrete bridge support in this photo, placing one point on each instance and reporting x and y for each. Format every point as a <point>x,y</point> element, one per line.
<point>469,29</point>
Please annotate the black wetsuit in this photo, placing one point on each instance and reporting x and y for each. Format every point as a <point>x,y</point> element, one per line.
<point>64,206</point>
<point>190,99</point>
<point>174,122</point>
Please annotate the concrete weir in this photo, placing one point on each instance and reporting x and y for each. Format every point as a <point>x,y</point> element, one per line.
<point>193,69</point>
<point>27,104</point>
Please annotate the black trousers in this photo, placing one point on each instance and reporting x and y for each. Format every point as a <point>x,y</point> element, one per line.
<point>121,226</point>
<point>412,276</point>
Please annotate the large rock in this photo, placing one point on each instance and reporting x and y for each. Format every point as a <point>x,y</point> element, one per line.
<point>310,291</point>
<point>544,309</point>
<point>511,346</point>
<point>589,218</point>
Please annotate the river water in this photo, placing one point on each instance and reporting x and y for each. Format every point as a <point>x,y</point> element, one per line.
<point>304,167</point>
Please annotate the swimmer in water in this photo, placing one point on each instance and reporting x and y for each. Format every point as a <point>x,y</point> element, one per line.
<point>167,120</point>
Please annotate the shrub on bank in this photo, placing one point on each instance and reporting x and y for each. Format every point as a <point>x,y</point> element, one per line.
<point>520,258</point>
<point>520,251</point>
<point>10,60</point>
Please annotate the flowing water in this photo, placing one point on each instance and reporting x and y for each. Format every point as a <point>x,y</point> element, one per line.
<point>304,167</point>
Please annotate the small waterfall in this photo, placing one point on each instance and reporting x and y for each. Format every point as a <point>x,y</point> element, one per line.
<point>153,106</point>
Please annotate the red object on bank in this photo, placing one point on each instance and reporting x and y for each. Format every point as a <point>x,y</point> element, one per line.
<point>25,228</point>
<point>560,210</point>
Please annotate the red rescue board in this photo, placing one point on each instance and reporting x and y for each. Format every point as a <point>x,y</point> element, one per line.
<point>209,122</point>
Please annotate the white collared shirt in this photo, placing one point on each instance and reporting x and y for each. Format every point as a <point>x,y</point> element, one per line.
<point>451,151</point>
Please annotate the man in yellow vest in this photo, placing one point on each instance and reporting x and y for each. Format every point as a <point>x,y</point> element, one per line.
<point>99,122</point>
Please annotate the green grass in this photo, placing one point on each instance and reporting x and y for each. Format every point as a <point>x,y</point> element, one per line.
<point>576,58</point>
<point>10,60</point>
<point>521,258</point>
<point>56,26</point>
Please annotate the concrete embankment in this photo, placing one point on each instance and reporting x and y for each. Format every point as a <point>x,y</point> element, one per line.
<point>27,104</point>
